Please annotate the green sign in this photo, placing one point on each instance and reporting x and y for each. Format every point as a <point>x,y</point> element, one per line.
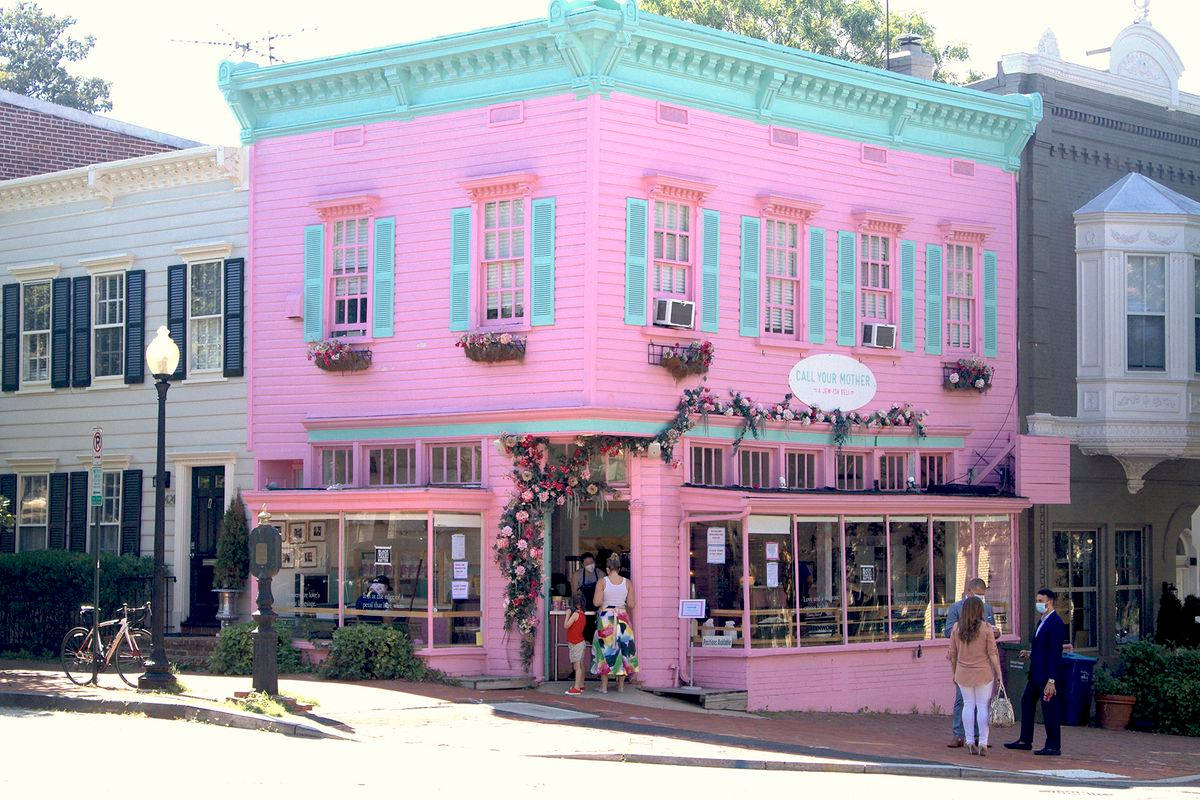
<point>97,486</point>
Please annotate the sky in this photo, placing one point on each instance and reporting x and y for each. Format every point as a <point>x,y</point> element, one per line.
<point>171,86</point>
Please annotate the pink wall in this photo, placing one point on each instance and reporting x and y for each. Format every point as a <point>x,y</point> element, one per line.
<point>1044,469</point>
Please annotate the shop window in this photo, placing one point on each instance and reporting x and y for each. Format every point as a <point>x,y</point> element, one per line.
<point>1075,582</point>
<point>960,298</point>
<point>337,467</point>
<point>993,563</point>
<point>33,504</point>
<point>912,618</point>
<point>110,513</point>
<point>781,284</point>
<point>456,580</point>
<point>934,471</point>
<point>754,468</point>
<point>1127,585</point>
<point>503,266</point>
<point>875,278</point>
<point>866,580</point>
<point>772,582</point>
<point>455,464</point>
<point>672,248</point>
<point>392,466</point>
<point>716,576</point>
<point>306,586</point>
<point>893,472</point>
<point>349,278</point>
<point>851,471</point>
<point>205,316</point>
<point>708,466</point>
<point>392,547</point>
<point>108,327</point>
<point>1146,312</point>
<point>611,468</point>
<point>35,332</point>
<point>819,580</point>
<point>802,470</point>
<point>951,563</point>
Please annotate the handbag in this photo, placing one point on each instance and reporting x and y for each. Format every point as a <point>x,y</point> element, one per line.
<point>1001,712</point>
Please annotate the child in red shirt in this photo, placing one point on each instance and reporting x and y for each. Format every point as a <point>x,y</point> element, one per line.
<point>574,623</point>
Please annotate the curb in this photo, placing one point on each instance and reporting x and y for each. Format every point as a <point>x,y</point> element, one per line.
<point>163,710</point>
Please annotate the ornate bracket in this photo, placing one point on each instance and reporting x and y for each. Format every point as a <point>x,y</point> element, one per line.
<point>768,88</point>
<point>1135,471</point>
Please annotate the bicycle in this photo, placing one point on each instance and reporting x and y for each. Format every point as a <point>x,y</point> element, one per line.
<point>128,648</point>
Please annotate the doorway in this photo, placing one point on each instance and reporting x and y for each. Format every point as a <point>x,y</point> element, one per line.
<point>208,506</point>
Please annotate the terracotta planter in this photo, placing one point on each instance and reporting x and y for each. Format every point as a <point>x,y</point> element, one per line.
<point>1115,711</point>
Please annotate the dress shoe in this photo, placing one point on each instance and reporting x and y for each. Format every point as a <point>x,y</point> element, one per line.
<point>955,743</point>
<point>1018,745</point>
<point>1046,751</point>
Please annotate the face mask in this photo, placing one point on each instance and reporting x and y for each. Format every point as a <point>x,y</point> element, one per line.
<point>1041,607</point>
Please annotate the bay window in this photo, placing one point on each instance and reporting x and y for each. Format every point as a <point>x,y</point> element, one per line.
<point>1146,312</point>
<point>108,326</point>
<point>672,248</point>
<point>205,321</point>
<point>781,273</point>
<point>503,264</point>
<point>876,287</point>
<point>960,297</point>
<point>35,332</point>
<point>33,512</point>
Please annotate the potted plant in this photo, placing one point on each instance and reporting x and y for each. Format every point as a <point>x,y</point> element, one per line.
<point>971,374</point>
<point>691,359</point>
<point>233,559</point>
<point>333,355</point>
<point>492,347</point>
<point>1114,700</point>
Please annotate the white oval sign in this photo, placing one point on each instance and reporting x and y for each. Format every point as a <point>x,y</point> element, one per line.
<point>831,381</point>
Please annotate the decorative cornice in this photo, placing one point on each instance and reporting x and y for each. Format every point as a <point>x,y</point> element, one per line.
<point>673,187</point>
<point>114,262</point>
<point>109,461</point>
<point>881,222</point>
<point>512,184</point>
<point>965,232</point>
<point>777,205</point>
<point>31,464</point>
<point>1132,441</point>
<point>358,205</point>
<point>601,48</point>
<point>1098,80</point>
<point>205,251</point>
<point>35,272</point>
<point>113,179</point>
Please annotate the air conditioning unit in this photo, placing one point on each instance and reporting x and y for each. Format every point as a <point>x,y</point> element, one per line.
<point>671,313</point>
<point>875,335</point>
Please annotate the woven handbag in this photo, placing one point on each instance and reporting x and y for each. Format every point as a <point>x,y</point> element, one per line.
<point>1001,712</point>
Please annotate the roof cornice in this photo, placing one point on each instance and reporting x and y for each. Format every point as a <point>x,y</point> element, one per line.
<point>1098,80</point>
<point>586,49</point>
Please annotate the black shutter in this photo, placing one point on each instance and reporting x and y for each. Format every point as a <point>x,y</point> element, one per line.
<point>135,326</point>
<point>78,508</point>
<point>81,327</point>
<point>12,338</point>
<point>58,511</point>
<point>8,489</point>
<point>60,333</point>
<point>177,314</point>
<point>235,276</point>
<point>131,512</point>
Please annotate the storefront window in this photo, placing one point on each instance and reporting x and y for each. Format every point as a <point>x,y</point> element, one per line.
<point>386,566</point>
<point>772,582</point>
<point>866,579</point>
<point>993,563</point>
<point>306,586</point>
<point>1128,586</point>
<point>456,580</point>
<point>1075,583</point>
<point>908,538</point>
<point>951,561</point>
<point>716,573</point>
<point>819,580</point>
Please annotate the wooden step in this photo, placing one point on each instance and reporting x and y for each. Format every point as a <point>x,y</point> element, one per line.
<point>494,682</point>
<point>715,699</point>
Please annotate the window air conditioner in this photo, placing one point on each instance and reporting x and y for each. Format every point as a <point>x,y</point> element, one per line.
<point>671,313</point>
<point>875,335</point>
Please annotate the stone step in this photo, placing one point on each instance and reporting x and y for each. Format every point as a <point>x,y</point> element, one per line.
<point>486,682</point>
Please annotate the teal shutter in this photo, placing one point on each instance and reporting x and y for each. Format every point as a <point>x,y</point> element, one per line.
<point>541,250</point>
<point>384,295</point>
<point>460,269</point>
<point>933,299</point>
<point>314,282</point>
<point>635,261</point>
<point>816,285</point>
<point>710,271</point>
<point>847,325</point>
<point>989,304</point>
<point>751,258</point>
<point>908,277</point>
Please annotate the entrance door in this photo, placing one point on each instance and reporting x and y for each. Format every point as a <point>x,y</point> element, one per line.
<point>208,506</point>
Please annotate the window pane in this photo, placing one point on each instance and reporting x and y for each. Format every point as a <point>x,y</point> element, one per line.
<point>35,500</point>
<point>819,575</point>
<point>391,547</point>
<point>772,584</point>
<point>206,288</point>
<point>718,583</point>
<point>951,561</point>
<point>456,610</point>
<point>909,542</point>
<point>1075,581</point>
<point>866,580</point>
<point>36,302</point>
<point>1129,615</point>
<point>1128,582</point>
<point>1146,342</point>
<point>993,563</point>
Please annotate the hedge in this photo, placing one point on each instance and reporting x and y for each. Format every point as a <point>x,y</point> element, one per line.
<point>379,652</point>
<point>1166,683</point>
<point>234,653</point>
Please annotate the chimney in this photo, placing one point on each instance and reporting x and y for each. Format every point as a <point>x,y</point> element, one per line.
<point>912,58</point>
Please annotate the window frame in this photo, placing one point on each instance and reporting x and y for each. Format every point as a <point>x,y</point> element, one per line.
<point>46,332</point>
<point>428,448</point>
<point>923,468</point>
<point>414,468</point>
<point>887,271</point>
<point>818,461</point>
<point>883,464</point>
<point>18,512</point>
<point>362,216</point>
<point>753,454</point>
<point>865,458</point>
<point>1145,314</point>
<point>192,318</point>
<point>949,298</point>
<point>105,520</point>
<point>350,455</point>
<point>798,282</point>
<point>718,463</point>
<point>97,326</point>
<point>515,195</point>
<point>1143,536</point>
<point>686,266</point>
<point>1065,603</point>
<point>1196,312</point>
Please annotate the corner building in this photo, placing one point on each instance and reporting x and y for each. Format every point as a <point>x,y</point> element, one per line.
<point>561,180</point>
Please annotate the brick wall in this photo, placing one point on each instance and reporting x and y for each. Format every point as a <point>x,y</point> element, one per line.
<point>32,142</point>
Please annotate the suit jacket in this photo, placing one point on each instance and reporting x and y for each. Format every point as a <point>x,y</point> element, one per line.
<point>1046,650</point>
<point>955,611</point>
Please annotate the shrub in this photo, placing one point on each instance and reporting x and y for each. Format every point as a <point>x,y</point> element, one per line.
<point>233,548</point>
<point>1166,684</point>
<point>1168,627</point>
<point>234,653</point>
<point>366,652</point>
<point>1191,621</point>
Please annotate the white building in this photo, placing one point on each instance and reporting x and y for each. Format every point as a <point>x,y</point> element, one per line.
<point>92,261</point>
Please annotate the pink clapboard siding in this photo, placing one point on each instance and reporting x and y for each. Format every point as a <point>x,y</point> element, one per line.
<point>1044,469</point>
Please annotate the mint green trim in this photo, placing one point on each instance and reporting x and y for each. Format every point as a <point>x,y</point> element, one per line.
<point>816,285</point>
<point>314,282</point>
<point>908,309</point>
<point>989,304</point>
<point>384,299</point>
<point>460,269</point>
<point>590,48</point>
<point>710,271</point>
<point>847,292</point>
<point>933,299</point>
<point>636,221</point>
<point>751,271</point>
<point>541,258</point>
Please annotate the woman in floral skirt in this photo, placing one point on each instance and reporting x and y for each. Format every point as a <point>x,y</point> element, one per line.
<point>613,647</point>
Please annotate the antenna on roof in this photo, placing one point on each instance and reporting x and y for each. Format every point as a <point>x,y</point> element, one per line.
<point>263,46</point>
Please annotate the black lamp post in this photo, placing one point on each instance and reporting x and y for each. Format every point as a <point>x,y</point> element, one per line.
<point>162,357</point>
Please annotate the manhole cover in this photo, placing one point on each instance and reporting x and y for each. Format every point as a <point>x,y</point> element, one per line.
<point>541,712</point>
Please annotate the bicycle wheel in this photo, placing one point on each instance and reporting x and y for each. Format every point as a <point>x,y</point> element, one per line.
<point>78,660</point>
<point>131,660</point>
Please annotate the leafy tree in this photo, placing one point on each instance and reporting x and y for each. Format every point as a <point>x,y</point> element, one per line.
<point>853,30</point>
<point>34,46</point>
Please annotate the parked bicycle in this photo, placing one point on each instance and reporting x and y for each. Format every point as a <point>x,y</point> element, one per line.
<point>84,656</point>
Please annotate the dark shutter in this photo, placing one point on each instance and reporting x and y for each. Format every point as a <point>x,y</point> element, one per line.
<point>235,277</point>
<point>58,511</point>
<point>131,512</point>
<point>177,314</point>
<point>8,489</point>
<point>81,332</point>
<point>60,333</point>
<point>78,512</point>
<point>12,337</point>
<point>135,326</point>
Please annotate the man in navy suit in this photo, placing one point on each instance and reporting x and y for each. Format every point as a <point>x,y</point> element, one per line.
<point>1048,640</point>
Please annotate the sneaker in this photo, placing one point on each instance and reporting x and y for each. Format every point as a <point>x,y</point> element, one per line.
<point>573,691</point>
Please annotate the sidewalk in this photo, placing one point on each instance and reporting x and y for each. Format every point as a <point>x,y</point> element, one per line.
<point>638,726</point>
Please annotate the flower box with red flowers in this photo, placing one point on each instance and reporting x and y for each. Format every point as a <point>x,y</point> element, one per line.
<point>333,355</point>
<point>682,360</point>
<point>492,347</point>
<point>968,374</point>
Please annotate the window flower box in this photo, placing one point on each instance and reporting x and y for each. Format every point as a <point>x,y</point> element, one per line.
<point>332,355</point>
<point>493,347</point>
<point>967,374</point>
<point>693,358</point>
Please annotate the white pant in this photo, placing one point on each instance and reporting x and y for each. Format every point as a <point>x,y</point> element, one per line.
<point>976,706</point>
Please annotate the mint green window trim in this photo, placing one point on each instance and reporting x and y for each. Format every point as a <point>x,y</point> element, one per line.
<point>816,285</point>
<point>847,322</point>
<point>384,300</point>
<point>636,222</point>
<point>460,269</point>
<point>908,310</point>
<point>710,271</point>
<point>751,271</point>
<point>990,310</point>
<point>314,282</point>
<point>541,249</point>
<point>933,299</point>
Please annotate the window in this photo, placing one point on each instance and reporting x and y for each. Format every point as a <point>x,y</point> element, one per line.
<point>1127,586</point>
<point>875,277</point>
<point>755,468</point>
<point>456,552</point>
<point>960,297</point>
<point>819,580</point>
<point>392,546</point>
<point>912,617</point>
<point>782,275</point>
<point>866,579</point>
<point>994,563</point>
<point>337,467</point>
<point>1074,578</point>
<point>1146,312</point>
<point>110,513</point>
<point>455,464</point>
<point>708,466</point>
<point>350,276</point>
<point>1196,310</point>
<point>35,332</point>
<point>611,468</point>
<point>772,582</point>
<point>306,585</point>
<point>893,472</point>
<point>851,471</point>
<point>933,470</point>
<point>672,247</point>
<point>802,470</point>
<point>205,325</point>
<point>33,504</point>
<point>951,562</point>
<point>109,325</point>
<point>716,576</point>
<point>504,261</point>
<point>392,466</point>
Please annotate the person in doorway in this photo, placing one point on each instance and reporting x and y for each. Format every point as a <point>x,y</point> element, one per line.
<point>975,588</point>
<point>576,643</point>
<point>614,651</point>
<point>975,666</point>
<point>1046,654</point>
<point>584,581</point>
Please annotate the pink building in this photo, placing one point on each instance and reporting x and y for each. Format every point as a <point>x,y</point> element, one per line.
<point>609,187</point>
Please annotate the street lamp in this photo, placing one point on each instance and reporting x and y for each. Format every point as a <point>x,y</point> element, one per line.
<point>162,357</point>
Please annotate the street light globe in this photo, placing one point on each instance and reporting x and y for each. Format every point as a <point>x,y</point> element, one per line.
<point>162,356</point>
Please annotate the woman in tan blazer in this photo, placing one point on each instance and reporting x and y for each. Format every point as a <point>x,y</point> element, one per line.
<point>975,664</point>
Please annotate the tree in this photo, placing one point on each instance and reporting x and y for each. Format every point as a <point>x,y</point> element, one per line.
<point>34,46</point>
<point>233,548</point>
<point>852,30</point>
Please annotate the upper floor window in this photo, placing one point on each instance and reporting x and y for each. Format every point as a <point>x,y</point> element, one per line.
<point>337,466</point>
<point>893,472</point>
<point>851,471</point>
<point>802,470</point>
<point>672,247</point>
<point>392,466</point>
<point>1146,312</point>
<point>755,468</point>
<point>456,464</point>
<point>875,278</point>
<point>612,468</point>
<point>934,471</point>
<point>708,466</point>
<point>349,276</point>
<point>108,327</point>
<point>960,297</point>
<point>205,326</point>
<point>33,512</point>
<point>781,289</point>
<point>35,332</point>
<point>503,265</point>
<point>110,513</point>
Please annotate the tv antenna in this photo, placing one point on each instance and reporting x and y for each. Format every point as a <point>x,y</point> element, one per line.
<point>262,46</point>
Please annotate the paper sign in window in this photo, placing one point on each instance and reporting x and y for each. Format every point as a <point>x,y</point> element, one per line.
<point>772,574</point>
<point>460,570</point>
<point>459,590</point>
<point>772,551</point>
<point>458,546</point>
